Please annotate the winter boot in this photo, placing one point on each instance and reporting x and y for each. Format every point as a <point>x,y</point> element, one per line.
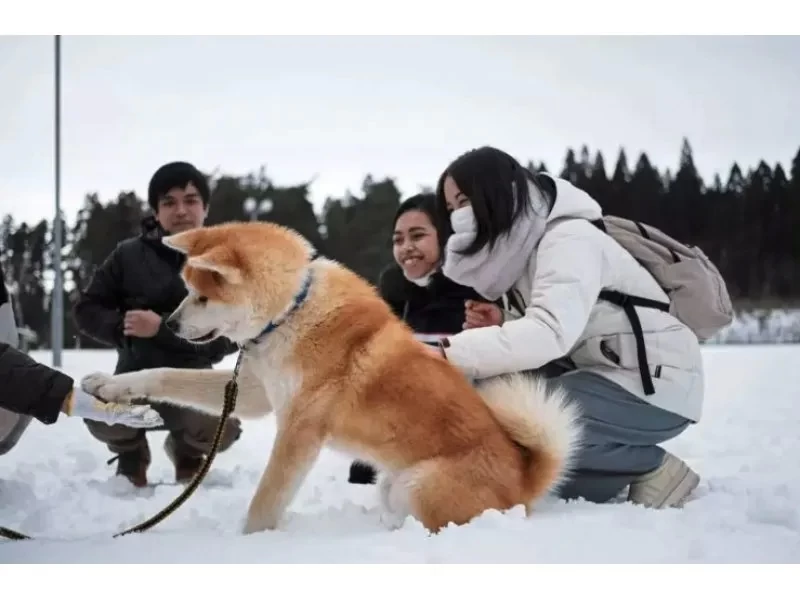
<point>669,485</point>
<point>133,464</point>
<point>186,463</point>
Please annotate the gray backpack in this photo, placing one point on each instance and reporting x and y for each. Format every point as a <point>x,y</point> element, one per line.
<point>698,295</point>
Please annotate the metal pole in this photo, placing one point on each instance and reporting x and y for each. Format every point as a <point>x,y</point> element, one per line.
<point>57,303</point>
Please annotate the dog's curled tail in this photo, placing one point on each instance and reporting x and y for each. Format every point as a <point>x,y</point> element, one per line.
<point>542,420</point>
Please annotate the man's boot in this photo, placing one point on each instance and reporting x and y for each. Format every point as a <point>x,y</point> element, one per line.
<point>187,462</point>
<point>133,464</point>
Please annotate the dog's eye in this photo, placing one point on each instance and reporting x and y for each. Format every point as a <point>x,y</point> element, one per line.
<point>202,299</point>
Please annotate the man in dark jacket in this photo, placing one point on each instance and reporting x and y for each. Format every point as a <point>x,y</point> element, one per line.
<point>126,305</point>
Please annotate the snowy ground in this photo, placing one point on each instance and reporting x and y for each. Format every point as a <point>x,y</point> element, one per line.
<point>55,485</point>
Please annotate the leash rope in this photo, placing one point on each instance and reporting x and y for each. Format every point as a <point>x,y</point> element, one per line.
<point>231,392</point>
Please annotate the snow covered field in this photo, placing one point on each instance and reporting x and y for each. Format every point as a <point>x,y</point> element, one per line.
<point>55,485</point>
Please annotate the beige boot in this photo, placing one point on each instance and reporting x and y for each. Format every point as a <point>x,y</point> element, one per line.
<point>669,485</point>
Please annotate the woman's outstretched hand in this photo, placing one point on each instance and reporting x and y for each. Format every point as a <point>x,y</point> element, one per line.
<point>480,314</point>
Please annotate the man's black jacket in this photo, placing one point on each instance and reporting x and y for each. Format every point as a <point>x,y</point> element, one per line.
<point>142,273</point>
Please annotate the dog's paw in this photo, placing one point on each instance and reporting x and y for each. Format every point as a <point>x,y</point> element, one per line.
<point>391,521</point>
<point>93,383</point>
<point>122,388</point>
<point>393,499</point>
<point>254,526</point>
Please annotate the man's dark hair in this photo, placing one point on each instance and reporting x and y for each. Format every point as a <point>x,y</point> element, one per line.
<point>497,187</point>
<point>176,174</point>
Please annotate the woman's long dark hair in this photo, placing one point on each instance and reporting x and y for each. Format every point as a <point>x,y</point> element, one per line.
<point>497,187</point>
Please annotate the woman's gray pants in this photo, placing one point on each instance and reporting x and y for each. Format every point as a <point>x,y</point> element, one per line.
<point>620,437</point>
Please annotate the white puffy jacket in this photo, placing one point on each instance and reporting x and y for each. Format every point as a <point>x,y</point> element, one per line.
<point>572,263</point>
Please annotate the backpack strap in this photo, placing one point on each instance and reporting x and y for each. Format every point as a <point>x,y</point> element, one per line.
<point>514,300</point>
<point>629,303</point>
<point>600,223</point>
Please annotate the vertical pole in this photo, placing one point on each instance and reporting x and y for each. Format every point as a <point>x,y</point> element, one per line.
<point>57,302</point>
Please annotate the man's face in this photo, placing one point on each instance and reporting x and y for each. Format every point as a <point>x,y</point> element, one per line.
<point>181,209</point>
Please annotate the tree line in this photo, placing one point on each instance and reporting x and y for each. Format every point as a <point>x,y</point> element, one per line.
<point>744,223</point>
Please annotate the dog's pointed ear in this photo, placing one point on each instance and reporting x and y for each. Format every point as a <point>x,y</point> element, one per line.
<point>184,242</point>
<point>221,260</point>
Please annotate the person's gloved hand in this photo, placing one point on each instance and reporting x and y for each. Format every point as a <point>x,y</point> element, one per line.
<point>81,404</point>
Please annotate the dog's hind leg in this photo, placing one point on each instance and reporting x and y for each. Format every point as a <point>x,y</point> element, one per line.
<point>455,490</point>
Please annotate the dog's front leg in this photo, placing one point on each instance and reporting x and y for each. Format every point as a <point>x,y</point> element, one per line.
<point>297,445</point>
<point>203,390</point>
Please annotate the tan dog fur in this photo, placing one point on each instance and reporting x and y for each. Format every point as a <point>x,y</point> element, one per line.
<point>343,371</point>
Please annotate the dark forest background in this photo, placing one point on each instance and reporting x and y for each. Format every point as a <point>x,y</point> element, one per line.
<point>744,222</point>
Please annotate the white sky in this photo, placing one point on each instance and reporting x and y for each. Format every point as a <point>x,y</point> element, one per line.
<point>336,108</point>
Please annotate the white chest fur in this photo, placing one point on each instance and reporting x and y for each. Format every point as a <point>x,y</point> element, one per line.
<point>270,363</point>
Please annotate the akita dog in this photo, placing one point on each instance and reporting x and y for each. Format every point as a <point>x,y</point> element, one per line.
<point>324,352</point>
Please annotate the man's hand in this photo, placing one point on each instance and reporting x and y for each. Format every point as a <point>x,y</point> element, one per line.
<point>479,314</point>
<point>141,323</point>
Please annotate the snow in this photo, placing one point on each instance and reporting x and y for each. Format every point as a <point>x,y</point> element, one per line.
<point>56,486</point>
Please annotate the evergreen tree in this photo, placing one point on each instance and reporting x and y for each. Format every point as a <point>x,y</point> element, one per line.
<point>745,223</point>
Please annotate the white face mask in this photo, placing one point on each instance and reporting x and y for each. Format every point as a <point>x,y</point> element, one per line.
<point>463,220</point>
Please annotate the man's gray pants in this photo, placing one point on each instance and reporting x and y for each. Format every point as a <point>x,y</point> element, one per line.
<point>621,434</point>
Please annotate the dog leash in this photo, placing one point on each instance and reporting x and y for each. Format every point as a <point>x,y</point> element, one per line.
<point>231,393</point>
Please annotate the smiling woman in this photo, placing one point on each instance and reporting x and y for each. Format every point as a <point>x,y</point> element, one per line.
<point>415,287</point>
<point>415,242</point>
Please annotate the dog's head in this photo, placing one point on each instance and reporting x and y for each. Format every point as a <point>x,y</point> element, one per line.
<point>239,277</point>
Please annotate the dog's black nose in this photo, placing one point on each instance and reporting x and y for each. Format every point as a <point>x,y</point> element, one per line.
<point>172,325</point>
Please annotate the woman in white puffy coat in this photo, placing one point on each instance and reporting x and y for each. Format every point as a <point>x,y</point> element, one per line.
<point>533,236</point>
